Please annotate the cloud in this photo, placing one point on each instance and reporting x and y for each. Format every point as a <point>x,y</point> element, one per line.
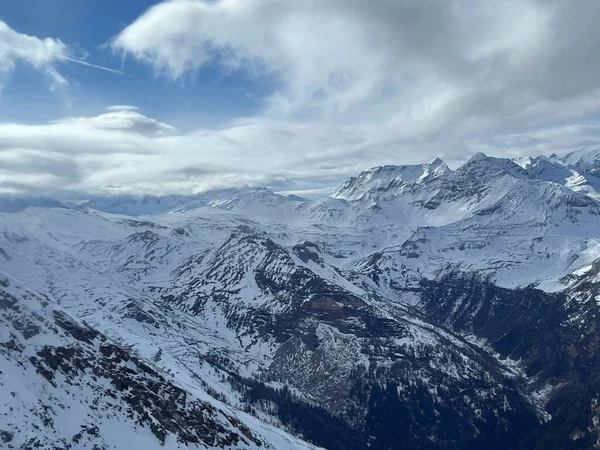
<point>559,139</point>
<point>121,108</point>
<point>434,67</point>
<point>41,54</point>
<point>351,84</point>
<point>342,56</point>
<point>125,152</point>
<point>121,118</point>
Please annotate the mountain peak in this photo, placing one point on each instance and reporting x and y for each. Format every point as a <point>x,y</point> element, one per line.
<point>434,168</point>
<point>436,162</point>
<point>493,166</point>
<point>479,156</point>
<point>382,178</point>
<point>585,159</point>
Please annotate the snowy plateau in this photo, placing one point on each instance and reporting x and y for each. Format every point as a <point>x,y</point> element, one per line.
<point>414,307</point>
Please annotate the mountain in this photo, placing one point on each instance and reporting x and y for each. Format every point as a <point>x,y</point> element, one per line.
<point>493,218</point>
<point>134,205</point>
<point>14,203</point>
<point>253,308</point>
<point>69,386</point>
<point>579,170</point>
<point>585,159</point>
<point>415,307</point>
<point>387,195</point>
<point>555,336</point>
<point>226,199</point>
<point>384,179</point>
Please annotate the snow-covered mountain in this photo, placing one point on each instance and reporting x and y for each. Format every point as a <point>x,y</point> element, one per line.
<point>384,179</point>
<point>14,203</point>
<point>226,199</point>
<point>66,385</point>
<point>578,170</point>
<point>260,309</point>
<point>495,218</point>
<point>387,315</point>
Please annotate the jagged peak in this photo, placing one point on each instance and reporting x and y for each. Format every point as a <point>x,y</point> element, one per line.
<point>383,177</point>
<point>437,167</point>
<point>524,161</point>
<point>479,156</point>
<point>437,161</point>
<point>492,166</point>
<point>482,158</point>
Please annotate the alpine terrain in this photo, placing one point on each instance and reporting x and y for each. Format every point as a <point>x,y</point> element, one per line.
<point>416,307</point>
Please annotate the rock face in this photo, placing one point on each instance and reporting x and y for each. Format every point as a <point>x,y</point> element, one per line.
<point>416,307</point>
<point>555,336</point>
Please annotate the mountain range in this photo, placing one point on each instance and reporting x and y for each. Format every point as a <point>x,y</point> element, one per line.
<point>415,307</point>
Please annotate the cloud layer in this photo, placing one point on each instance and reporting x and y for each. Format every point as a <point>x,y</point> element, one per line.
<point>352,84</point>
<point>123,151</point>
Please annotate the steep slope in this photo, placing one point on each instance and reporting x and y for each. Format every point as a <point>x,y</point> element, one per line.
<point>519,229</point>
<point>339,348</point>
<point>555,336</point>
<point>586,160</point>
<point>382,180</point>
<point>68,386</point>
<point>387,195</point>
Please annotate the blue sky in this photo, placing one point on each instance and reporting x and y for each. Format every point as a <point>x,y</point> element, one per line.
<point>206,99</point>
<point>293,94</point>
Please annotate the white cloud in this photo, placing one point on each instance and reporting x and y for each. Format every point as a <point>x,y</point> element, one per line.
<point>126,152</point>
<point>353,84</point>
<point>121,108</point>
<point>42,54</point>
<point>432,66</point>
<point>121,118</point>
<point>348,59</point>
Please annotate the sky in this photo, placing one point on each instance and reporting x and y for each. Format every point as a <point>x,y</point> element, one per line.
<point>109,97</point>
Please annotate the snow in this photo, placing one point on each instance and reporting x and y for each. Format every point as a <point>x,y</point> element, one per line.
<point>67,407</point>
<point>382,177</point>
<point>175,274</point>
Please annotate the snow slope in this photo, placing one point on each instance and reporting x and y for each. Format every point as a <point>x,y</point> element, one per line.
<point>69,386</point>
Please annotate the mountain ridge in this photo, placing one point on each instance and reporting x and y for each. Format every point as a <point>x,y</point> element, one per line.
<point>408,299</point>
